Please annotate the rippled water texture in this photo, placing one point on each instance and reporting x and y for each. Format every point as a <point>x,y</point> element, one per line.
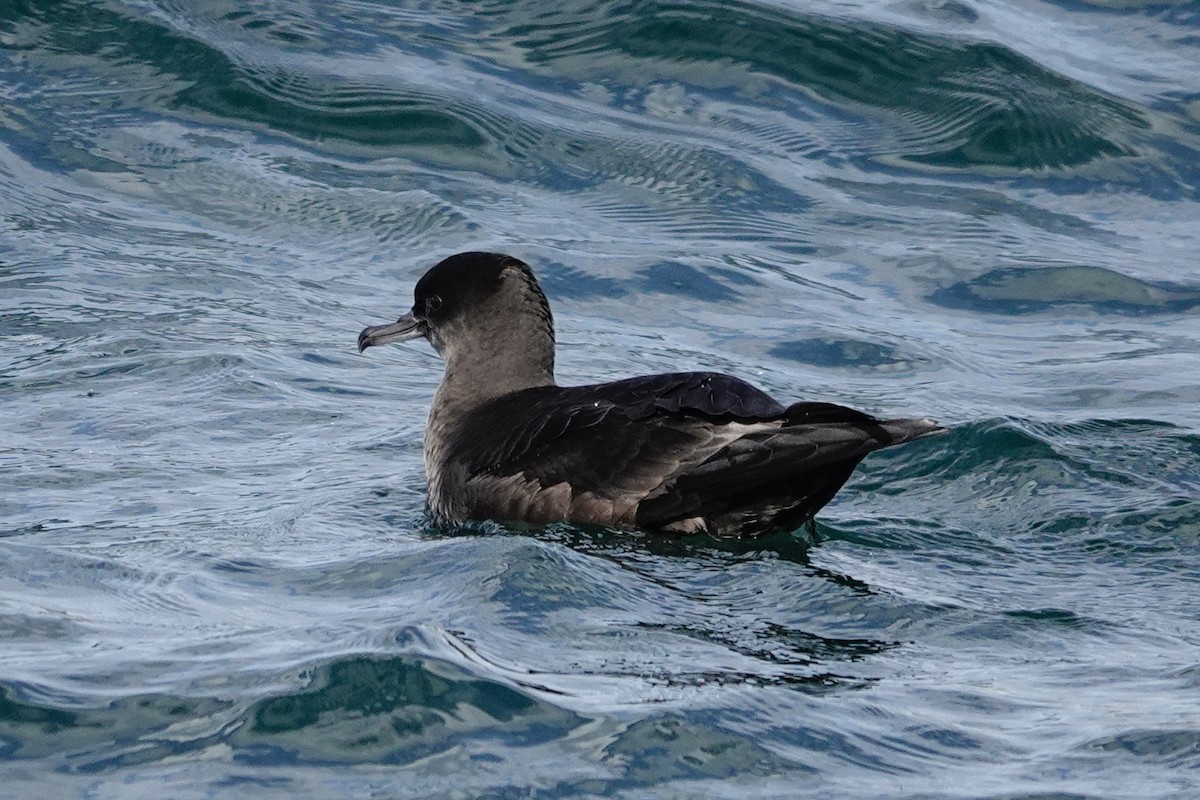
<point>216,575</point>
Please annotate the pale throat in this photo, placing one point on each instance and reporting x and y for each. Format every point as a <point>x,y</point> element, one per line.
<point>485,362</point>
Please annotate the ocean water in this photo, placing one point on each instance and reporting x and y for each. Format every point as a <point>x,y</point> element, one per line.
<point>217,578</point>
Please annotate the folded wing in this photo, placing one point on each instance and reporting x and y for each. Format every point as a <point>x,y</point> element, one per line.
<point>683,451</point>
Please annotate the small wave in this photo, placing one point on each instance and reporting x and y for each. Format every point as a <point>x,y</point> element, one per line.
<point>848,353</point>
<point>390,710</point>
<point>1023,290</point>
<point>357,709</point>
<point>1169,748</point>
<point>964,103</point>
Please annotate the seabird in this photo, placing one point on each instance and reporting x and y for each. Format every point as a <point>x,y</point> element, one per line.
<point>685,452</point>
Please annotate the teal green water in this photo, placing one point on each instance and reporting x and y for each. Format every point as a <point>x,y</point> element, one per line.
<point>217,578</point>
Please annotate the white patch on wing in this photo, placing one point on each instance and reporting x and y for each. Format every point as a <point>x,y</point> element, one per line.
<point>688,526</point>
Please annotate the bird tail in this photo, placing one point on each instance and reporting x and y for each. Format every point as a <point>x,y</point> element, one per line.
<point>886,432</point>
<point>906,430</point>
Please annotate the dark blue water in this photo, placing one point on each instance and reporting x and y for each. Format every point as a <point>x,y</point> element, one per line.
<point>216,575</point>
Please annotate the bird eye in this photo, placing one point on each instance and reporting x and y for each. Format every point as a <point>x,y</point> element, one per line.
<point>433,304</point>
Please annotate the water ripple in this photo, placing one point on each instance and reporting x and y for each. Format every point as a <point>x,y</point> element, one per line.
<point>965,103</point>
<point>217,574</point>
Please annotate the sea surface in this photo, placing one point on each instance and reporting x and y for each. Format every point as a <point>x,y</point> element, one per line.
<point>217,576</point>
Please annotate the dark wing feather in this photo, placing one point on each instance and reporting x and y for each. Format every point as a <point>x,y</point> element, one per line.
<point>624,436</point>
<point>593,446</point>
<point>653,438</point>
<point>797,467</point>
<point>779,478</point>
<point>704,394</point>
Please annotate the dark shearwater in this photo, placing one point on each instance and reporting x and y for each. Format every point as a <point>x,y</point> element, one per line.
<point>686,452</point>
